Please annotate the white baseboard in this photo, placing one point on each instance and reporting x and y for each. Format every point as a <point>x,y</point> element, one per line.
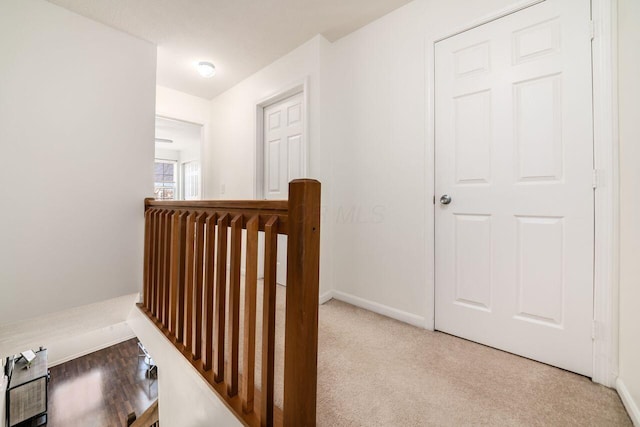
<point>382,309</point>
<point>326,297</point>
<point>630,405</point>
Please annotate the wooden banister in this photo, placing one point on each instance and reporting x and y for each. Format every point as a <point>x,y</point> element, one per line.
<point>188,297</point>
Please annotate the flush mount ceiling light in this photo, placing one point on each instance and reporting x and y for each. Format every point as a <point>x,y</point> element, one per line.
<point>206,69</point>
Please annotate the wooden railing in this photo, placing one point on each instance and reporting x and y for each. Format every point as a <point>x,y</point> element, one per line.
<point>148,418</point>
<point>189,297</point>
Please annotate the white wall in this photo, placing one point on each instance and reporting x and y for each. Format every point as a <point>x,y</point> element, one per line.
<point>76,133</point>
<point>185,398</point>
<point>629,121</point>
<point>373,141</point>
<point>376,87</point>
<point>233,136</point>
<point>380,86</point>
<point>71,333</point>
<point>370,148</point>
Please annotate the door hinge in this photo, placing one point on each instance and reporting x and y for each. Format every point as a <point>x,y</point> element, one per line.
<point>595,179</point>
<point>592,30</point>
<point>434,199</point>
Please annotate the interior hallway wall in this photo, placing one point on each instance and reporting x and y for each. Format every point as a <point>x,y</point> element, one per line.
<point>378,90</point>
<point>76,133</point>
<point>77,122</point>
<point>629,122</point>
<point>233,136</point>
<point>370,148</point>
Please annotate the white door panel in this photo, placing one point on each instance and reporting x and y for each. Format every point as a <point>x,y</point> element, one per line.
<point>514,150</point>
<point>273,167</point>
<point>284,157</point>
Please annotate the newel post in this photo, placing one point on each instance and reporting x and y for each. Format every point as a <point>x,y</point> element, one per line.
<point>301,326</point>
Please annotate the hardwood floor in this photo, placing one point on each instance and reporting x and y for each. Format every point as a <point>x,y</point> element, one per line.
<point>100,389</point>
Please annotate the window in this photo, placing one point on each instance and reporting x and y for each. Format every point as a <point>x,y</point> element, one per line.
<point>165,180</point>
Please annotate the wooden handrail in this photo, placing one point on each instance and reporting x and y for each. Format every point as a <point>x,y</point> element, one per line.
<point>281,206</point>
<point>147,418</point>
<point>264,209</point>
<point>195,301</point>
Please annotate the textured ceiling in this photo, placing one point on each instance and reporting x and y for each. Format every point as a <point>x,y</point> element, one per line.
<point>238,36</point>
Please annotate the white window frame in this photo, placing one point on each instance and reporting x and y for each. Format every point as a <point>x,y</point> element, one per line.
<point>176,174</point>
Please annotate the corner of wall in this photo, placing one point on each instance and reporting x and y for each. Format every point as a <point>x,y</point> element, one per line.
<point>72,333</point>
<point>628,383</point>
<point>629,403</point>
<point>93,110</point>
<point>3,394</point>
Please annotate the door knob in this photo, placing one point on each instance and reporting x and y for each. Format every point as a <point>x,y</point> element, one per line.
<point>445,199</point>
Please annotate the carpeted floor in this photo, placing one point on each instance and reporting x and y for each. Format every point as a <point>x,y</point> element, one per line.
<point>376,371</point>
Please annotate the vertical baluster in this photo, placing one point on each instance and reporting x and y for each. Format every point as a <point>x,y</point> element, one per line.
<point>167,268</point>
<point>220,303</point>
<point>180,311</point>
<point>197,287</point>
<point>175,271</point>
<point>209,280</point>
<point>269,321</point>
<point>249,336</point>
<point>160,277</point>
<point>234,304</point>
<point>188,298</point>
<point>156,263</point>
<point>152,255</point>
<point>147,257</point>
<point>301,323</point>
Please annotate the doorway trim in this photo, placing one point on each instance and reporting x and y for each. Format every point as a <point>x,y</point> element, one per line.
<point>604,15</point>
<point>203,130</point>
<point>294,88</point>
<point>606,195</point>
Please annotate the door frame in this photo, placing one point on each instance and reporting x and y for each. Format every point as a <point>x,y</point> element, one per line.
<point>294,88</point>
<point>203,131</point>
<point>606,172</point>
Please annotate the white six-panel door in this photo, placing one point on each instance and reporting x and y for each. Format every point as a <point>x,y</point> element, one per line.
<point>284,159</point>
<point>514,151</point>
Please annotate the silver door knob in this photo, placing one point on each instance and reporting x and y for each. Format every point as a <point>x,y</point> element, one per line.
<point>445,199</point>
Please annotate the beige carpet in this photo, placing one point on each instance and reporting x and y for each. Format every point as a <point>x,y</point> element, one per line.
<point>375,371</point>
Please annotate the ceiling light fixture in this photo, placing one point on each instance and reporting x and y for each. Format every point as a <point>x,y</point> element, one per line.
<point>206,69</point>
